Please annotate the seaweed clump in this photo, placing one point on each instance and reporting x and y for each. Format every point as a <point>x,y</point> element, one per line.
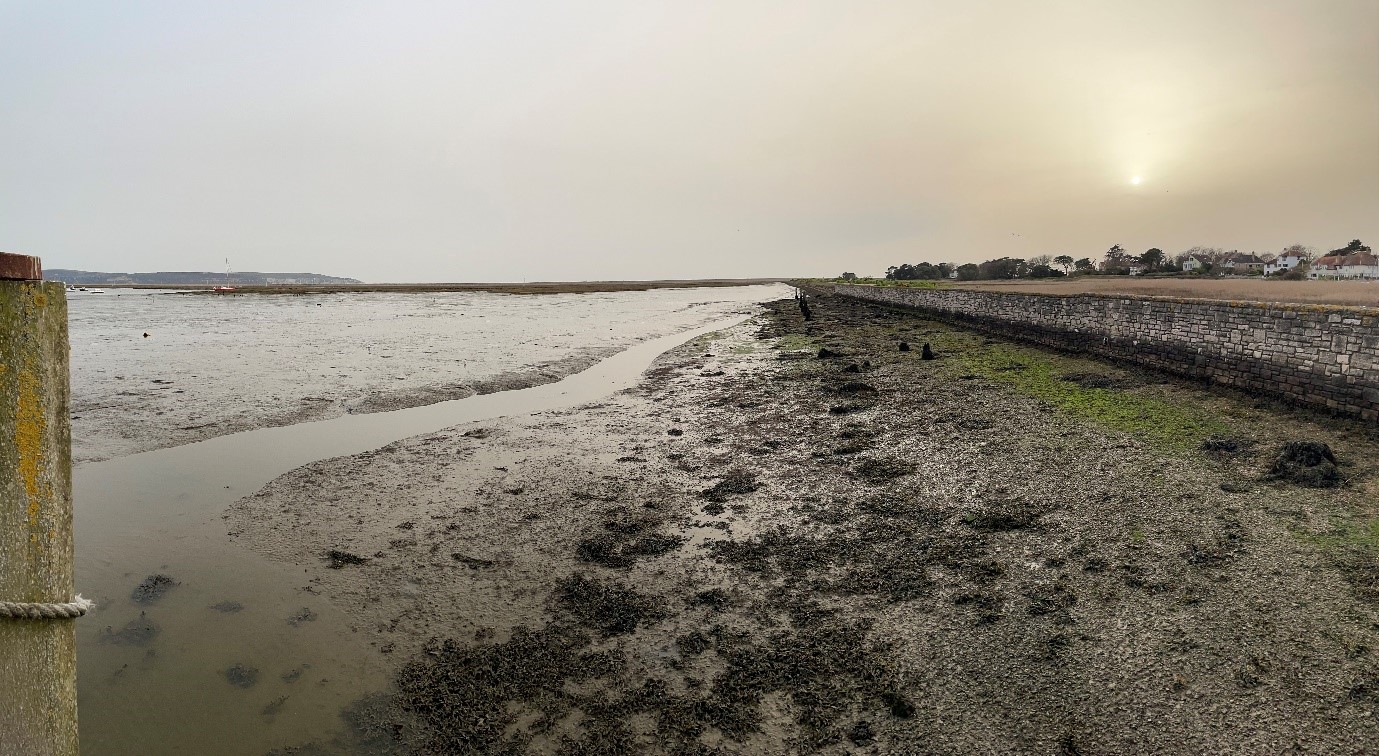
<point>878,470</point>
<point>607,607</point>
<point>139,631</point>
<point>462,695</point>
<point>152,588</point>
<point>339,559</point>
<point>242,676</point>
<point>738,481</point>
<point>609,550</point>
<point>1005,515</point>
<point>1306,463</point>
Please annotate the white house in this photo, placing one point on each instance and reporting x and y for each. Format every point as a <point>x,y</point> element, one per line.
<point>1281,263</point>
<point>1361,265</point>
<point>1193,262</point>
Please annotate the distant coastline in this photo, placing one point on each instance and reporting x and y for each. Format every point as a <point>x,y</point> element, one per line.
<point>345,286</point>
<point>190,278</point>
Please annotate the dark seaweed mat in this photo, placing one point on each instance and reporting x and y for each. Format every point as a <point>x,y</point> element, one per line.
<point>882,546</point>
<point>624,541</point>
<point>461,694</point>
<point>152,588</point>
<point>139,631</point>
<point>605,606</point>
<point>464,698</point>
<point>339,559</point>
<point>738,481</point>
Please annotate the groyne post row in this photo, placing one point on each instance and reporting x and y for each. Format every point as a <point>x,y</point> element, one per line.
<point>1319,356</point>
<point>38,659</point>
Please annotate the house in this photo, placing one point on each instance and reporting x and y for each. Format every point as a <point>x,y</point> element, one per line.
<point>1135,268</point>
<point>1362,265</point>
<point>1241,263</point>
<point>1281,263</point>
<point>1193,262</point>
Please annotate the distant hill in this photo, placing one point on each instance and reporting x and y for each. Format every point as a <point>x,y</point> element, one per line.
<point>192,278</point>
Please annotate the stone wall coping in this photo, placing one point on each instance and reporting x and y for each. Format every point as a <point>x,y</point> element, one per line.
<point>1359,310</point>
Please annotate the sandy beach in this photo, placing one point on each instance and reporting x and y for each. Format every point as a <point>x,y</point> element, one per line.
<point>794,537</point>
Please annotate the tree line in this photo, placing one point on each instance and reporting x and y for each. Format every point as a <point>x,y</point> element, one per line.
<point>1115,261</point>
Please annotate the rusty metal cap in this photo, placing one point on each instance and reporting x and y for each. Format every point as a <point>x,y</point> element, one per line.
<point>20,267</point>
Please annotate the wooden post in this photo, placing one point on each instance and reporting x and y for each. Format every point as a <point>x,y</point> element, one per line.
<point>38,659</point>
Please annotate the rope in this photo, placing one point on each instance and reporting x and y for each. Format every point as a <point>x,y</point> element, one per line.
<point>70,610</point>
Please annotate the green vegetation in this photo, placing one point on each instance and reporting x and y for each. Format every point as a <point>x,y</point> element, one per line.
<point>1171,425</point>
<point>1362,535</point>
<point>909,284</point>
<point>710,337</point>
<point>794,342</point>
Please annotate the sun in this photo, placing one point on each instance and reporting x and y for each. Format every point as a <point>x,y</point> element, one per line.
<point>1136,180</point>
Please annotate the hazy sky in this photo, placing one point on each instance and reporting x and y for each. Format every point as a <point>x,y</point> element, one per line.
<point>401,141</point>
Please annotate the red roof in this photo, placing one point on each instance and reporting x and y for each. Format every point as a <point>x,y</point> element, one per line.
<point>1337,261</point>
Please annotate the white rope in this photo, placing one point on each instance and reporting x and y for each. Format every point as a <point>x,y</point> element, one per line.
<point>70,610</point>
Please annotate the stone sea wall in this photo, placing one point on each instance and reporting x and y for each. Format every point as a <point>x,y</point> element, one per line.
<point>1319,356</point>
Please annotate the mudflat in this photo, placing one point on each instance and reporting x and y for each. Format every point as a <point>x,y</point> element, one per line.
<point>532,287</point>
<point>796,537</point>
<point>153,370</point>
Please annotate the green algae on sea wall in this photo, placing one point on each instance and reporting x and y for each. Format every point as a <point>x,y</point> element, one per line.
<point>1166,424</point>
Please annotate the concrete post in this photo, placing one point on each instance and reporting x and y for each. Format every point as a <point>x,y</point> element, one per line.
<point>38,660</point>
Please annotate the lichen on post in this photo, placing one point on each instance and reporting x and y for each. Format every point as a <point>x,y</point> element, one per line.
<point>38,665</point>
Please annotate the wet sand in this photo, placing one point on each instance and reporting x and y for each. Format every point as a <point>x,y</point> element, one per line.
<point>794,537</point>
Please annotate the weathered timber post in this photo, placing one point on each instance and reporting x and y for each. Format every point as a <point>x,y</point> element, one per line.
<point>38,658</point>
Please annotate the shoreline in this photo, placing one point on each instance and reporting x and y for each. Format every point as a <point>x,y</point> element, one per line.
<point>534,287</point>
<point>317,408</point>
<point>228,609</point>
<point>944,553</point>
<point>155,372</point>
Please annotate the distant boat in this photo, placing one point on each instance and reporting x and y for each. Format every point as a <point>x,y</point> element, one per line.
<point>227,288</point>
<point>84,290</point>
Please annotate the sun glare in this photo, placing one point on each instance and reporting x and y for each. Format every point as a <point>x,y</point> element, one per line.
<point>1136,180</point>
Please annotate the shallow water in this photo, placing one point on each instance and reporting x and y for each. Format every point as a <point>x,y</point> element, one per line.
<point>212,365</point>
<point>160,512</point>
